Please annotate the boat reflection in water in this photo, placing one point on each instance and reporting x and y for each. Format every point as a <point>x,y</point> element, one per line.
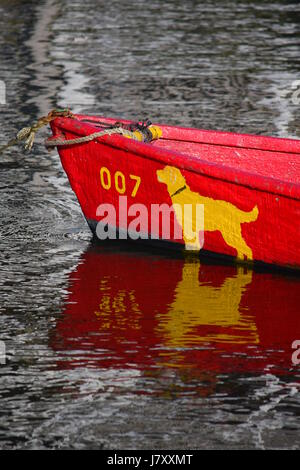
<point>133,310</point>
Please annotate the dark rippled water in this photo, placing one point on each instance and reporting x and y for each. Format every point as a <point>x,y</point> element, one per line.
<point>111,347</point>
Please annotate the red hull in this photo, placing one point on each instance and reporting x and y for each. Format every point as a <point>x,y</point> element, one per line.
<point>249,186</point>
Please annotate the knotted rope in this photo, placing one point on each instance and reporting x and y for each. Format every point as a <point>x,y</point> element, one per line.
<point>140,132</point>
<point>90,137</point>
<point>29,133</point>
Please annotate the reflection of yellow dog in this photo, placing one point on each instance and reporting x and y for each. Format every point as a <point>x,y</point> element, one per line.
<point>218,215</point>
<point>197,304</point>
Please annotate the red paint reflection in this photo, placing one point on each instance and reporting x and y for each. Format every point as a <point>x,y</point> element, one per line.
<point>134,310</point>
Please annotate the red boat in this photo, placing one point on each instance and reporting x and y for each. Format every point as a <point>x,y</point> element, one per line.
<point>247,186</point>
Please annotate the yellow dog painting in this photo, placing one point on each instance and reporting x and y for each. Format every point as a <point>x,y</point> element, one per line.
<point>218,215</point>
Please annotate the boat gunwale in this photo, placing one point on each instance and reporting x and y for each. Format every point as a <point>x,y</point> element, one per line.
<point>182,160</point>
<point>220,138</point>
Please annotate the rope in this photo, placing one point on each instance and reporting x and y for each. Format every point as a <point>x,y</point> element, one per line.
<point>90,137</point>
<point>29,133</point>
<point>139,132</point>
